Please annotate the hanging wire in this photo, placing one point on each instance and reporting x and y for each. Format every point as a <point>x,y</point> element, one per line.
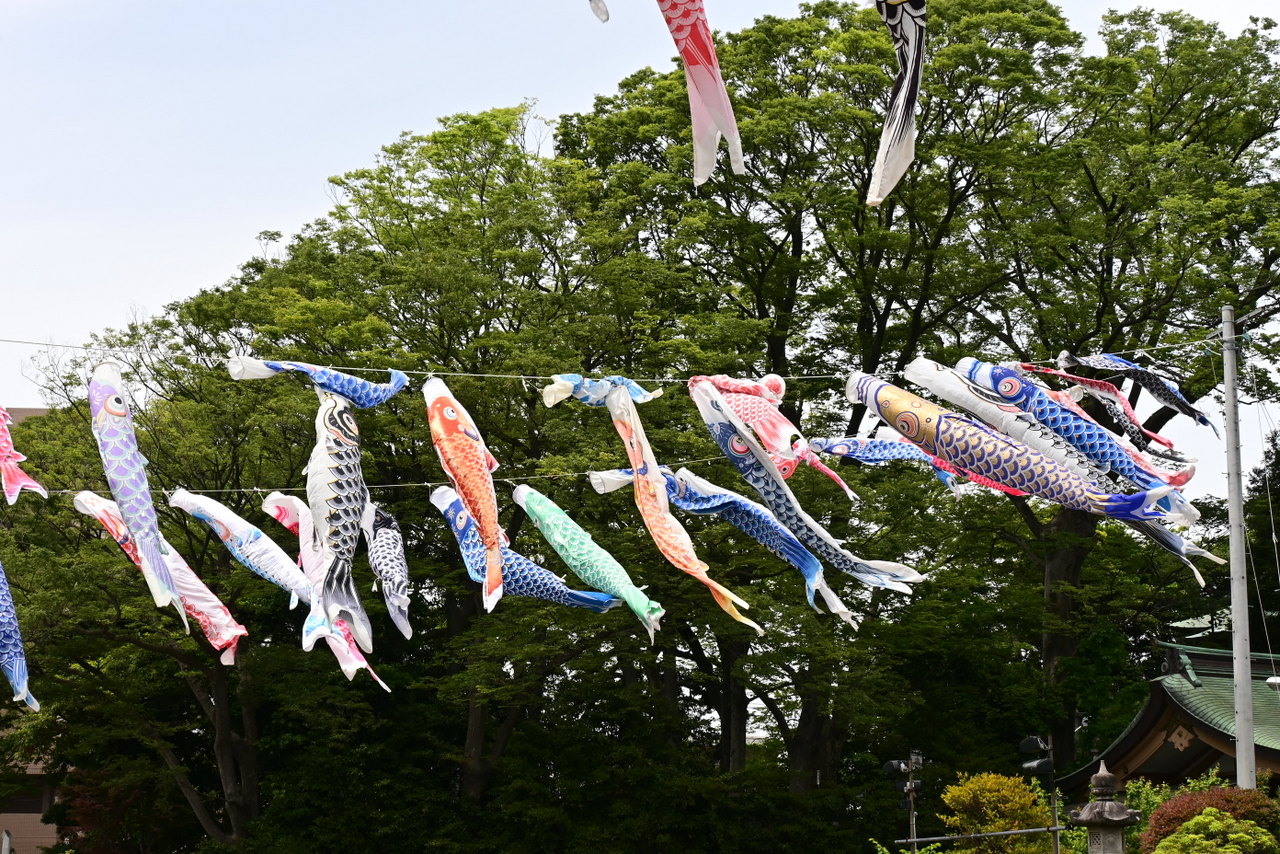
<point>429,483</point>
<point>133,351</point>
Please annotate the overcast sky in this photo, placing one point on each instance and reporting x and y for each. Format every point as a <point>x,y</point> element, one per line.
<point>147,142</point>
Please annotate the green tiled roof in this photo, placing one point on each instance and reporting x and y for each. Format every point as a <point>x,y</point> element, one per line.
<point>1214,704</point>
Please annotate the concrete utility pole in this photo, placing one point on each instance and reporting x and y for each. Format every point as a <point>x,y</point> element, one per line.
<point>1242,668</point>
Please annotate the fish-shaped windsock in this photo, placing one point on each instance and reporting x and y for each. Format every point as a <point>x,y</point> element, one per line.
<point>1161,389</point>
<point>753,462</point>
<point>126,471</point>
<point>967,444</point>
<point>709,106</point>
<point>1118,408</point>
<point>756,405</point>
<point>294,514</point>
<point>997,411</point>
<point>260,554</point>
<point>595,566</point>
<point>13,658</point>
<point>1172,474</point>
<point>601,10</point>
<point>1085,435</point>
<point>592,392</point>
<point>13,478</point>
<point>386,556</point>
<point>906,22</point>
<point>697,495</point>
<point>359,391</point>
<point>201,604</point>
<point>521,576</point>
<point>650,493</point>
<point>469,465</point>
<point>339,502</point>
<point>874,451</point>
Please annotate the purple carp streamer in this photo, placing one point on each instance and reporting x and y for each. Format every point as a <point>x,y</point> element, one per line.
<point>969,445</point>
<point>906,22</point>
<point>360,392</point>
<point>294,514</point>
<point>520,576</point>
<point>874,451</point>
<point>12,478</point>
<point>650,486</point>
<point>126,471</point>
<point>13,659</point>
<point>386,557</point>
<point>1161,389</point>
<point>201,604</point>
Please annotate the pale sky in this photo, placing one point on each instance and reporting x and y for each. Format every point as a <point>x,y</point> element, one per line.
<point>146,143</point>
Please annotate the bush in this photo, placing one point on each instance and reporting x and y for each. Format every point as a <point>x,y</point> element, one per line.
<point>1245,804</point>
<point>982,803</point>
<point>1217,832</point>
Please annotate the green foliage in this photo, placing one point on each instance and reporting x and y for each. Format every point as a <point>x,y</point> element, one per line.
<point>1244,804</point>
<point>987,803</point>
<point>1215,830</point>
<point>1058,201</point>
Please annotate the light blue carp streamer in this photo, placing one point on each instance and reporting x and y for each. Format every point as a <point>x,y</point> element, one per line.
<point>360,392</point>
<point>520,576</point>
<point>1161,389</point>
<point>753,463</point>
<point>593,392</point>
<point>13,661</point>
<point>262,556</point>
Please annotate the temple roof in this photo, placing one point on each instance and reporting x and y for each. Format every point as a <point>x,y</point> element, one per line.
<point>1188,722</point>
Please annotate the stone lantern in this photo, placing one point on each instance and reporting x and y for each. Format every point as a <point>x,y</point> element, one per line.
<point>1103,818</point>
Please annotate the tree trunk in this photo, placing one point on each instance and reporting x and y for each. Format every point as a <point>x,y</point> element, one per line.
<point>733,706</point>
<point>1067,540</point>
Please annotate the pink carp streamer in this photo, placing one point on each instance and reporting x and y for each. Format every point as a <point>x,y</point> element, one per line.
<point>13,478</point>
<point>709,106</point>
<point>756,403</point>
<point>201,604</point>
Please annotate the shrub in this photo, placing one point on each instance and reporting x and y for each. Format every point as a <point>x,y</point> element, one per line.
<point>982,803</point>
<point>1217,832</point>
<point>1245,804</point>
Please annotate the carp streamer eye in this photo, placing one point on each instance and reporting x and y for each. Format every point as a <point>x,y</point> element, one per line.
<point>1009,386</point>
<point>908,424</point>
<point>738,445</point>
<point>115,405</point>
<point>451,413</point>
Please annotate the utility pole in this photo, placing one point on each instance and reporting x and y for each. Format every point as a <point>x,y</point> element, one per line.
<point>1242,668</point>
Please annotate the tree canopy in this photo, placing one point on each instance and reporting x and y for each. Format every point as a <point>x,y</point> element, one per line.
<point>1059,201</point>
